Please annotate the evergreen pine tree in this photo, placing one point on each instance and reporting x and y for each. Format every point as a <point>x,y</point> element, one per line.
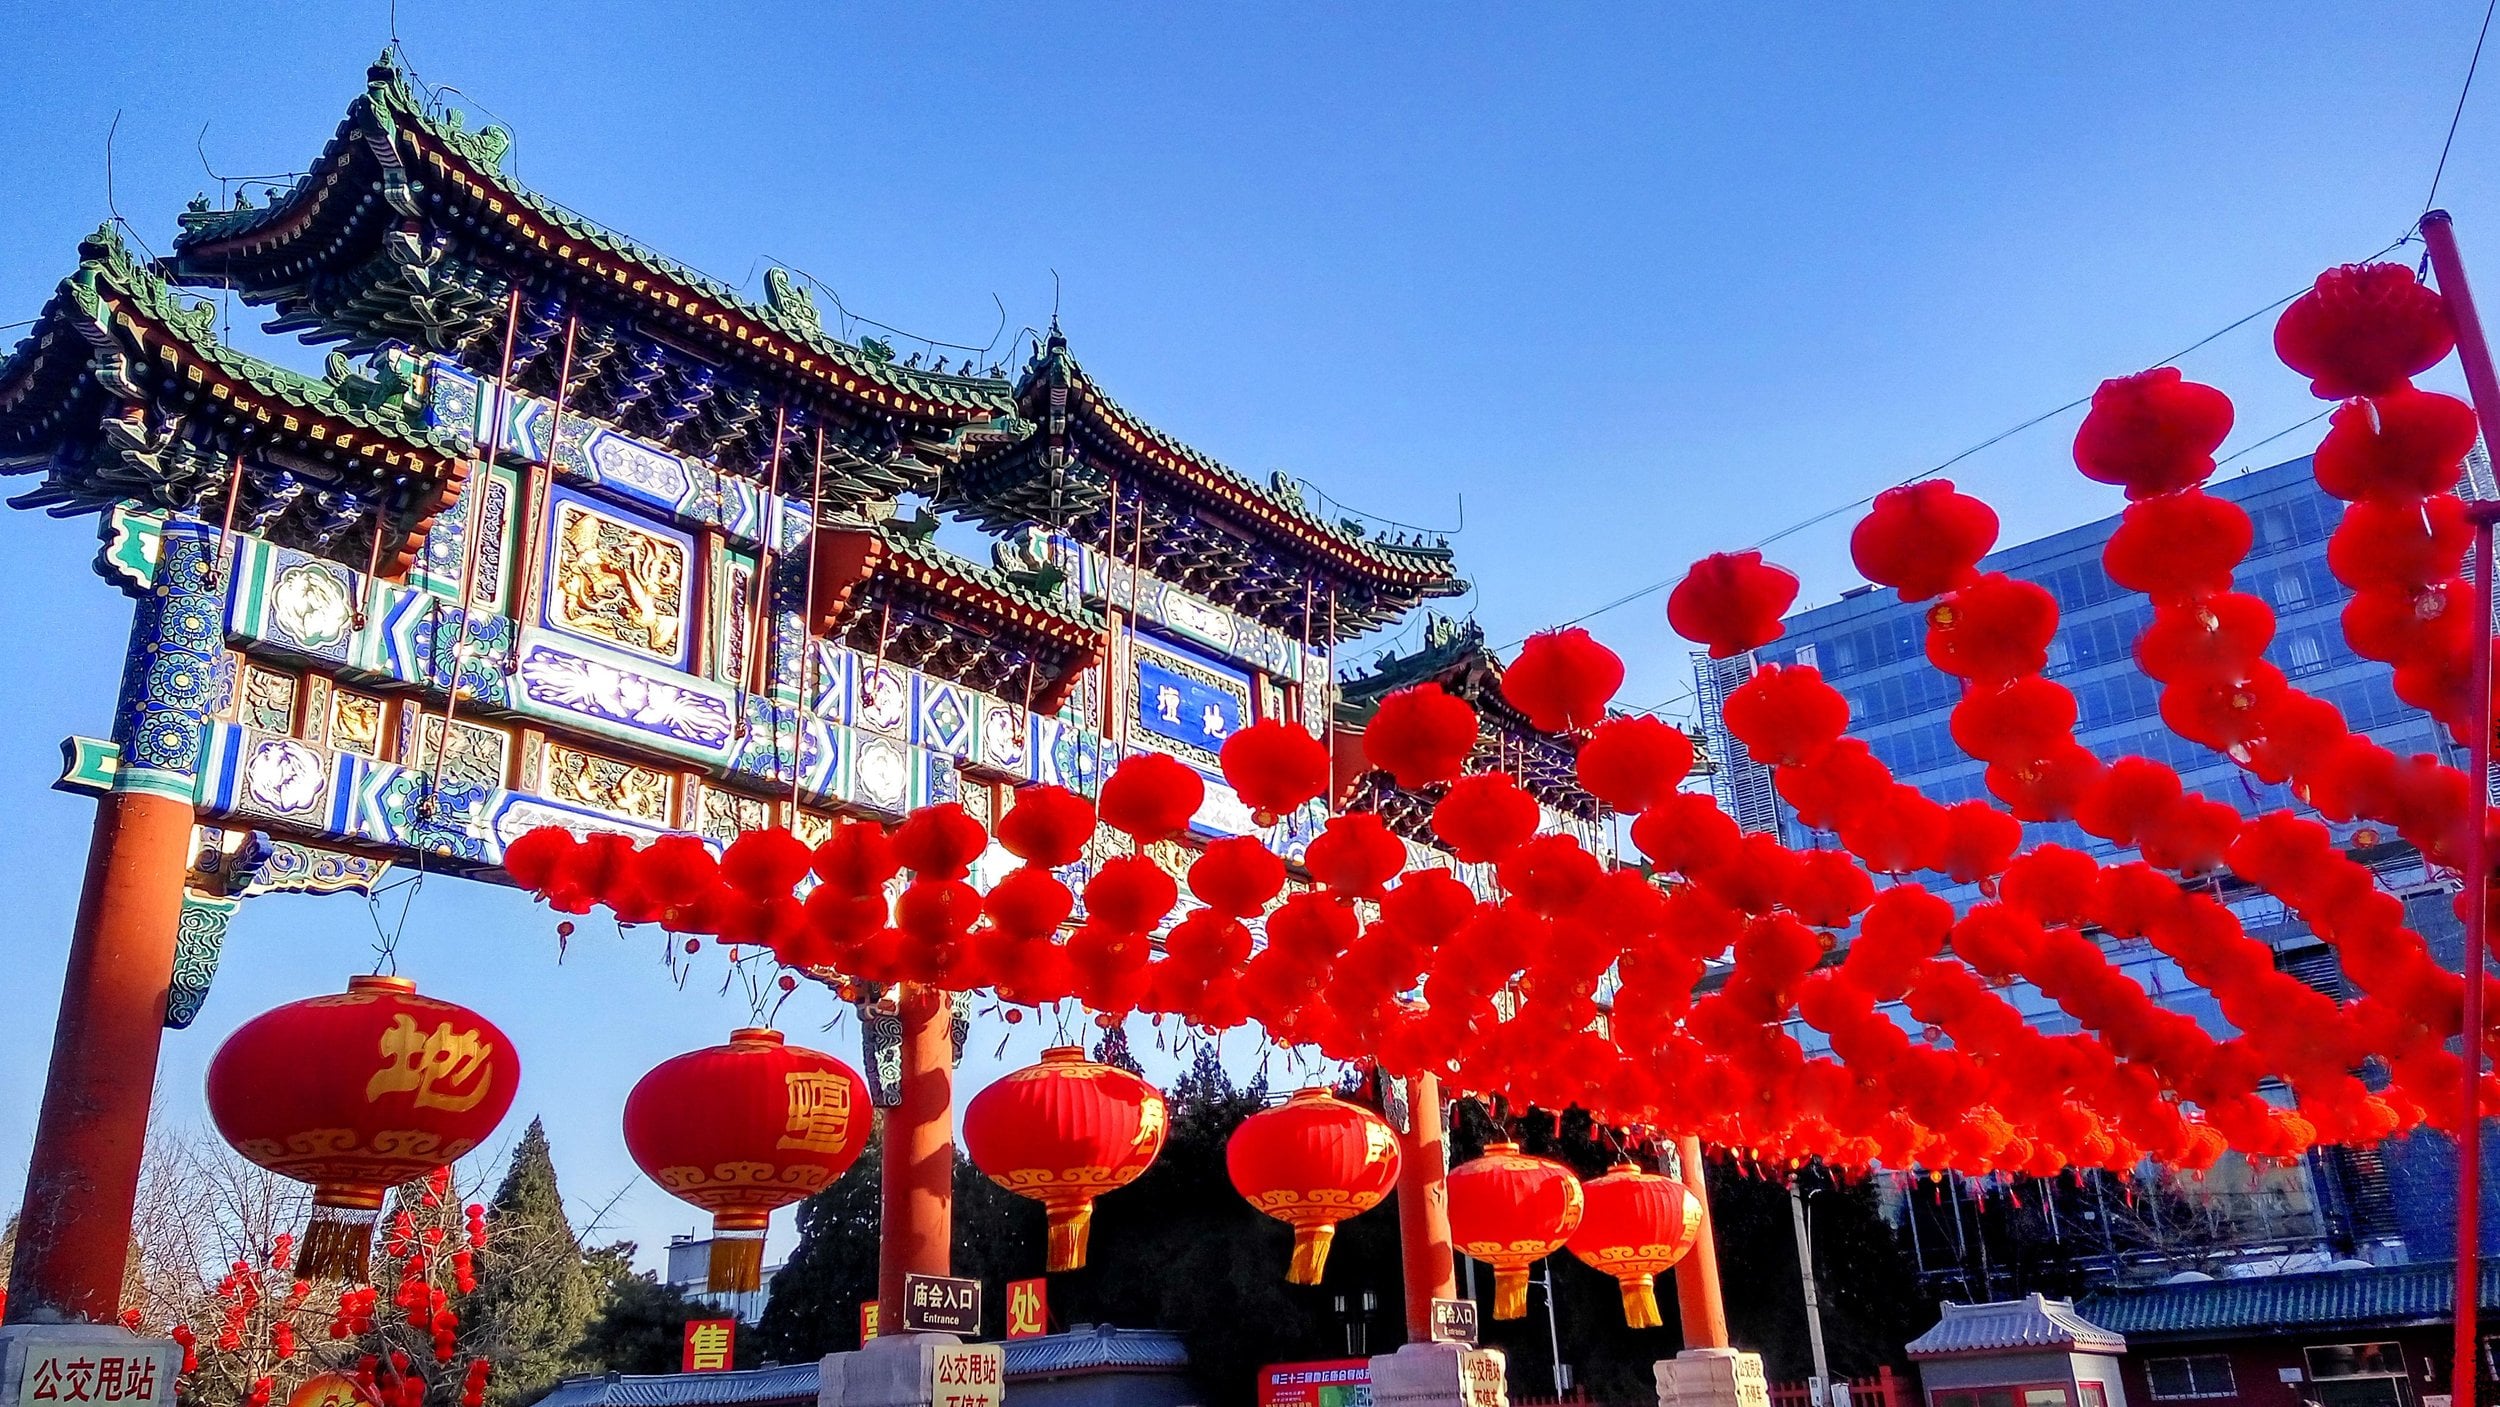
<point>814,1308</point>
<point>536,1292</point>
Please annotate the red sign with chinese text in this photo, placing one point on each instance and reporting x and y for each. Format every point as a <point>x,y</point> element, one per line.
<point>711,1344</point>
<point>1028,1308</point>
<point>1330,1382</point>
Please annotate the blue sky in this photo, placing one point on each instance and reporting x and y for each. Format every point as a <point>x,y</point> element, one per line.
<point>1635,284</point>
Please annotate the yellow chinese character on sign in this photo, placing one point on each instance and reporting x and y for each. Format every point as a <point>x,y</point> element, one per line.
<point>707,1346</point>
<point>820,1111</point>
<point>446,1069</point>
<point>1150,1121</point>
<point>1024,1309</point>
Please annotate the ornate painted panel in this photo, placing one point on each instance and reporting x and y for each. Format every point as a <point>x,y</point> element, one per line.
<point>611,786</point>
<point>619,582</point>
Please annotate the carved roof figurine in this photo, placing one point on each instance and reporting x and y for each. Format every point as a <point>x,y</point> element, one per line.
<point>409,231</point>
<point>1259,550</point>
<point>123,392</point>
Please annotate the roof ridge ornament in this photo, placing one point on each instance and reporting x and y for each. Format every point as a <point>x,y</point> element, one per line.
<point>792,301</point>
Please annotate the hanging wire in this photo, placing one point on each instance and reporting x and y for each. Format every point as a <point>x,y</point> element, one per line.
<point>1991,441</point>
<point>2457,116</point>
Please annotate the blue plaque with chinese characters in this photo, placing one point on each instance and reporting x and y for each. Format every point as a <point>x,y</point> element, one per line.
<point>1186,703</point>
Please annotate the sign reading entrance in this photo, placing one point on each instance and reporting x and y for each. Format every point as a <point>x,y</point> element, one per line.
<point>1454,1321</point>
<point>968,1375</point>
<point>711,1345</point>
<point>941,1304</point>
<point>1028,1308</point>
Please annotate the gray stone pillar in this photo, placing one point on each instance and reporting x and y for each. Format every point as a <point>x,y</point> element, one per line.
<point>1440,1375</point>
<point>1712,1377</point>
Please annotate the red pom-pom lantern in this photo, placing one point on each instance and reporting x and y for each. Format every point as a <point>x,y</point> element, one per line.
<point>1979,839</point>
<point>535,857</point>
<point>2179,544</point>
<point>1562,680</point>
<point>1786,714</point>
<point>1923,539</point>
<point>1312,1162</point>
<point>1275,767</point>
<point>2363,330</point>
<point>1992,630</point>
<point>1510,1210</point>
<point>1421,735</point>
<point>1237,876</point>
<point>1063,1133</point>
<point>1130,893</point>
<point>1483,816</point>
<point>1152,796</point>
<point>1731,602</point>
<point>2383,546</point>
<point>1030,903</point>
<point>765,864</point>
<point>1356,855</point>
<point>857,859</point>
<point>1686,832</point>
<point>940,841</point>
<point>2152,433</point>
<point>1637,1226</point>
<point>1048,826</point>
<point>742,1129</point>
<point>1629,763</point>
<point>2398,447</point>
<point>356,1094</point>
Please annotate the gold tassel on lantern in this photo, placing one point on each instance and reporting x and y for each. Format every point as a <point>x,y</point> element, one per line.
<point>1640,1302</point>
<point>1310,1253</point>
<point>338,1243</point>
<point>1070,1229</point>
<point>737,1261</point>
<point>1510,1292</point>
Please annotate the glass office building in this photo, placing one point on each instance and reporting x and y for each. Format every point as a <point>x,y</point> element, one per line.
<point>2390,1203</point>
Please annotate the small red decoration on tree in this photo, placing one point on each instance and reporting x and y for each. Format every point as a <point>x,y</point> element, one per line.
<point>2363,330</point>
<point>1638,1225</point>
<point>356,1094</point>
<point>1510,1210</point>
<point>741,1129</point>
<point>1311,1162</point>
<point>1063,1133</point>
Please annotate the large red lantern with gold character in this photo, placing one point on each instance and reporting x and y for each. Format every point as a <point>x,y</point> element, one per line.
<point>1063,1133</point>
<point>356,1094</point>
<point>1311,1162</point>
<point>1510,1210</point>
<point>743,1128</point>
<point>1637,1225</point>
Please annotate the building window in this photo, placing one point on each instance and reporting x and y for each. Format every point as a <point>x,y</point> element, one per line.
<point>2093,1394</point>
<point>2195,1375</point>
<point>2027,1395</point>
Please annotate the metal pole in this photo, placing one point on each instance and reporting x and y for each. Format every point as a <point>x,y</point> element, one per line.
<point>2475,353</point>
<point>1821,1389</point>
<point>1553,1329</point>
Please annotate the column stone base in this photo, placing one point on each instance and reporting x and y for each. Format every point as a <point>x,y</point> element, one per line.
<point>1712,1377</point>
<point>1440,1375</point>
<point>902,1370</point>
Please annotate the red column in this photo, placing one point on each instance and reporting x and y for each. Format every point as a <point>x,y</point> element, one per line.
<point>74,1235</point>
<point>1424,1252</point>
<point>917,1202</point>
<point>1697,1300</point>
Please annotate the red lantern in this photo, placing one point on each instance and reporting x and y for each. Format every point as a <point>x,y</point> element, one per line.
<point>1063,1133</point>
<point>1421,735</point>
<point>1786,714</point>
<point>1312,1162</point>
<point>357,1094</point>
<point>2363,330</point>
<point>1992,630</point>
<point>741,1129</point>
<point>1152,796</point>
<point>1483,816</point>
<point>2152,433</point>
<point>2178,544</point>
<point>1923,539</point>
<point>1562,680</point>
<point>1731,602</point>
<point>1275,767</point>
<point>1510,1210</point>
<point>2400,446</point>
<point>1629,763</point>
<point>1049,826</point>
<point>1637,1227</point>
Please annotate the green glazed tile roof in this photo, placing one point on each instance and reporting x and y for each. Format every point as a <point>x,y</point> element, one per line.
<point>390,103</point>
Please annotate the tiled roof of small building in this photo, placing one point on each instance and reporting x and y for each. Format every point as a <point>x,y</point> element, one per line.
<point>2379,1296</point>
<point>2033,1322</point>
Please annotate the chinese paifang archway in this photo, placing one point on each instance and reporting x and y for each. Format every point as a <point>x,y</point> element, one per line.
<point>592,576</point>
